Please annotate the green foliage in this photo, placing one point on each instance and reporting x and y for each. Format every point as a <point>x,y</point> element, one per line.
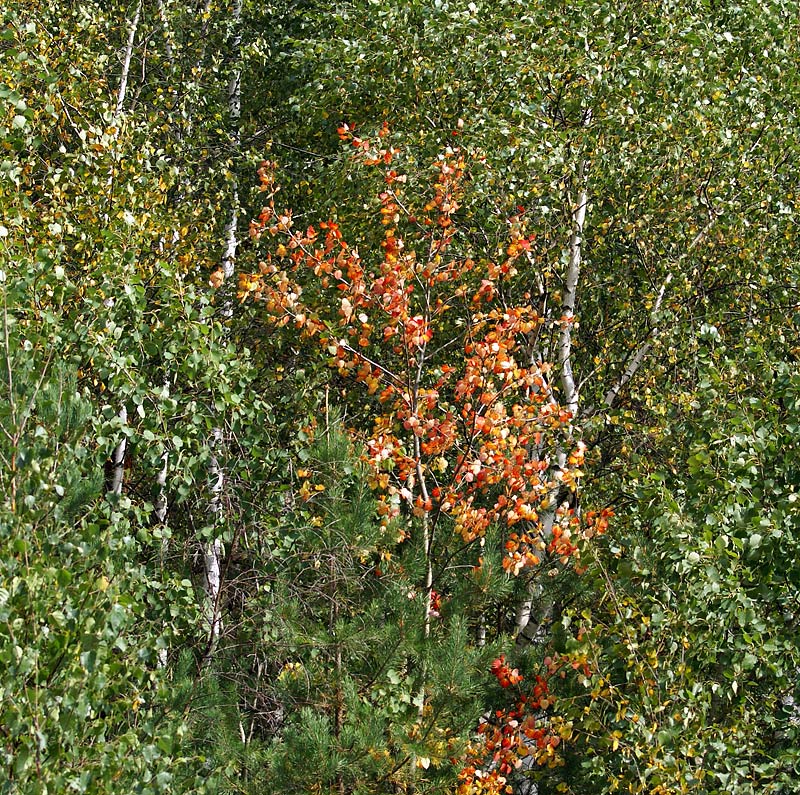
<point>676,118</point>
<point>221,753</point>
<point>80,692</point>
<point>693,654</point>
<point>98,591</point>
<point>353,667</point>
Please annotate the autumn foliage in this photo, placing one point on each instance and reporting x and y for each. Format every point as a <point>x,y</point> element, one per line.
<point>467,430</point>
<point>466,420</point>
<point>508,736</point>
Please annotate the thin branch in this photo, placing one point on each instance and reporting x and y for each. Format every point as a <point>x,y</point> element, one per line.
<point>9,369</point>
<point>638,357</point>
<point>168,49</point>
<point>641,353</point>
<point>126,60</point>
<point>350,349</point>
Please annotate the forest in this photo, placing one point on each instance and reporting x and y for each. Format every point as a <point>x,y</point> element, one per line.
<point>399,397</point>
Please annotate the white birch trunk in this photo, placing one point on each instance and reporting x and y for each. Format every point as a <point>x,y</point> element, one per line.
<point>118,458</point>
<point>160,511</point>
<point>214,551</point>
<point>160,508</point>
<point>523,615</point>
<point>480,639</point>
<point>168,48</point>
<point>126,61</point>
<point>569,295</point>
<point>528,631</point>
<point>234,119</point>
<point>212,564</point>
<point>530,628</point>
<point>122,89</point>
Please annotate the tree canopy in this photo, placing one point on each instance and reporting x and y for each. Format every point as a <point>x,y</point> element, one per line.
<point>399,397</point>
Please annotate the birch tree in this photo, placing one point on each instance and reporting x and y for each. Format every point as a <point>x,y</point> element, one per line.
<point>103,308</point>
<point>652,218</point>
<point>541,260</point>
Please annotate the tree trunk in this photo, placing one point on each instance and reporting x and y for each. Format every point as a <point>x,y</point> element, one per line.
<point>118,457</point>
<point>126,60</point>
<point>214,550</point>
<point>526,630</point>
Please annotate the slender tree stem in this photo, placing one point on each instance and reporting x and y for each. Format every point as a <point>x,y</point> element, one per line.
<point>126,60</point>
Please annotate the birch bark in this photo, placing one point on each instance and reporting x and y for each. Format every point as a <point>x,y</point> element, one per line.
<point>234,118</point>
<point>126,60</point>
<point>118,457</point>
<point>569,295</point>
<point>526,629</point>
<point>214,550</point>
<point>641,352</point>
